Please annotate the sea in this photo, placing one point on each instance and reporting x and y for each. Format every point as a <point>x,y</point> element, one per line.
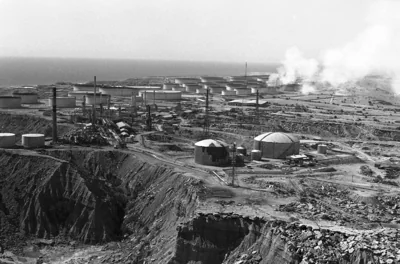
<point>17,71</point>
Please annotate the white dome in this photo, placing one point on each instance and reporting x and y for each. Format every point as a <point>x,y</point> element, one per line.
<point>277,137</point>
<point>211,143</point>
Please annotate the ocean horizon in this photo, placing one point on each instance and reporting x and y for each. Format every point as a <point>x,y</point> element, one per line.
<point>19,71</point>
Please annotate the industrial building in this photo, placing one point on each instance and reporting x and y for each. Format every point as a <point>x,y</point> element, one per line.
<point>10,102</point>
<point>277,145</point>
<point>211,152</point>
<point>27,97</point>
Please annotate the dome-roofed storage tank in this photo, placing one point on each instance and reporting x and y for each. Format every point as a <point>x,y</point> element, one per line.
<point>63,102</point>
<point>10,102</point>
<point>33,140</point>
<point>7,140</point>
<point>211,152</point>
<point>277,145</point>
<point>27,97</point>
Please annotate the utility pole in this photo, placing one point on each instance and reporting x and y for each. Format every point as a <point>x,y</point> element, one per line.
<point>233,163</point>
<point>54,130</point>
<point>154,99</point>
<point>245,74</point>
<point>94,101</point>
<point>206,124</point>
<point>257,109</point>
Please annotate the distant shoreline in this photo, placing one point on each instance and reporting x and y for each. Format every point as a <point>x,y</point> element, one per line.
<point>33,71</point>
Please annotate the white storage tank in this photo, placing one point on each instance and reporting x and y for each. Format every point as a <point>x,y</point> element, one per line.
<point>83,88</point>
<point>100,99</point>
<point>228,93</point>
<point>242,91</point>
<point>322,149</point>
<point>7,140</point>
<point>255,154</point>
<point>79,95</point>
<point>10,102</point>
<point>63,102</point>
<point>179,88</point>
<point>217,90</point>
<point>192,88</point>
<point>118,91</point>
<point>33,140</point>
<point>161,95</point>
<point>201,91</point>
<point>27,97</point>
<point>169,86</point>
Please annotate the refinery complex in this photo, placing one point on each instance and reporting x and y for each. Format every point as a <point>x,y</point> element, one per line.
<point>200,169</point>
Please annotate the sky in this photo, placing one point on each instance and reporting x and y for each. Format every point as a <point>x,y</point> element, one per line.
<point>206,30</point>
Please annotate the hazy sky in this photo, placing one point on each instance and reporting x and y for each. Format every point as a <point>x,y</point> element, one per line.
<point>212,30</point>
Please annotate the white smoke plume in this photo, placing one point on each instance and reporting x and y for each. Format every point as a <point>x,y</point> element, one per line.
<point>296,66</point>
<point>308,89</point>
<point>376,49</point>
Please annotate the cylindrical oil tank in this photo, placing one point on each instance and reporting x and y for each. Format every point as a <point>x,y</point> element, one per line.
<point>242,91</point>
<point>100,99</point>
<point>192,88</point>
<point>322,149</point>
<point>254,90</point>
<point>228,93</point>
<point>169,86</point>
<point>79,95</point>
<point>179,88</point>
<point>10,102</point>
<point>118,91</point>
<point>201,91</point>
<point>27,97</point>
<point>83,88</point>
<point>63,102</point>
<point>161,95</point>
<point>255,154</point>
<point>33,140</point>
<point>7,140</point>
<point>217,90</point>
<point>241,150</point>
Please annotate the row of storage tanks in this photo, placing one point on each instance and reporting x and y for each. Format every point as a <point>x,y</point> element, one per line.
<point>228,89</point>
<point>141,93</point>
<point>17,99</point>
<point>7,140</point>
<point>272,145</point>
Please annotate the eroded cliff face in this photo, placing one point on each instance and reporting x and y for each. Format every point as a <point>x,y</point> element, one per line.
<point>239,240</point>
<point>104,195</point>
<point>92,196</point>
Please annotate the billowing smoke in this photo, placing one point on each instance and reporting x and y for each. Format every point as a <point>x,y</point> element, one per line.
<point>308,89</point>
<point>296,66</point>
<point>376,49</point>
